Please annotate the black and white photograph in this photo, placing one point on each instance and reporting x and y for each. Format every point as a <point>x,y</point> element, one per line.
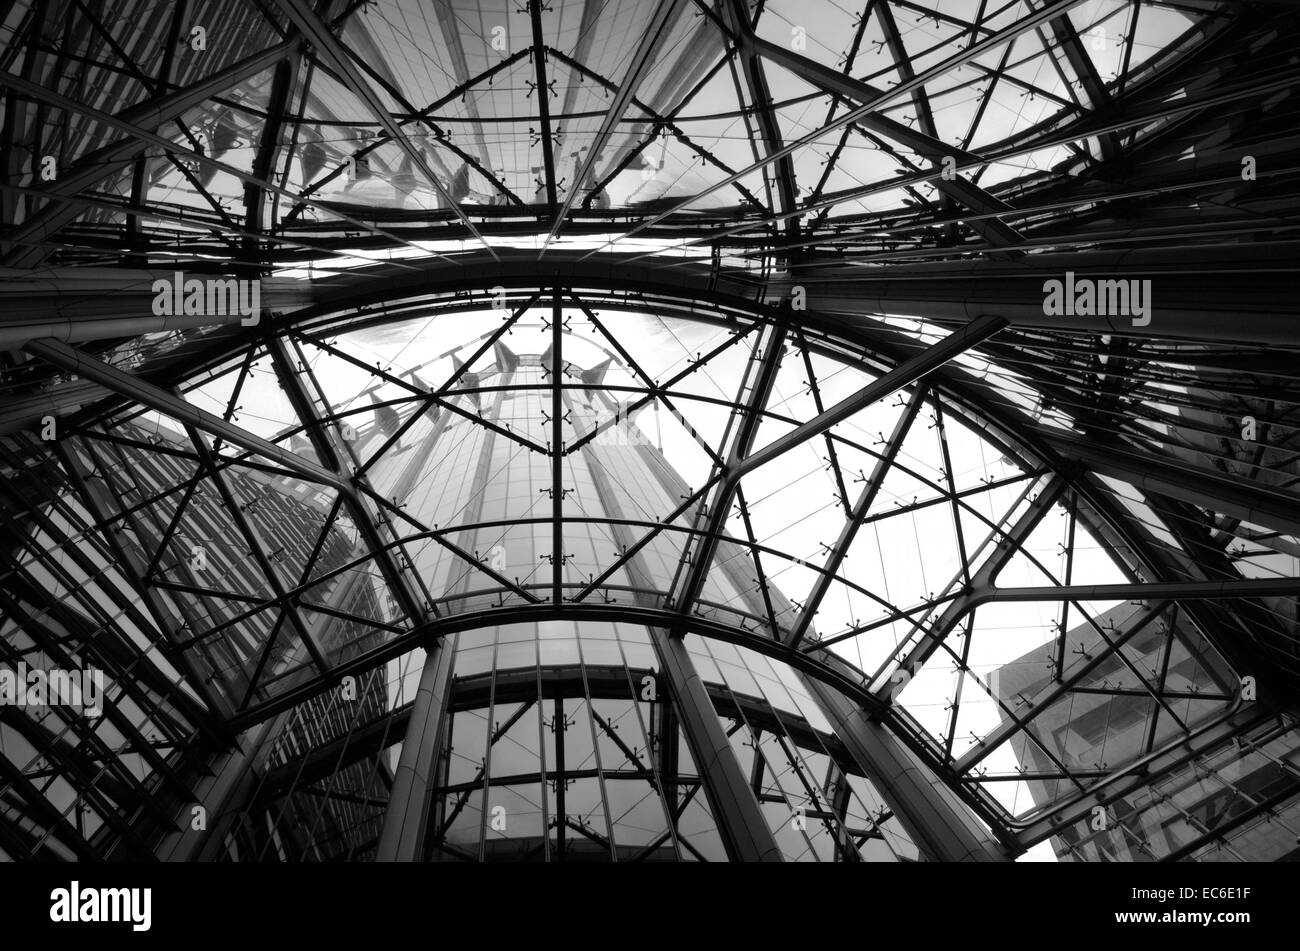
<point>450,432</point>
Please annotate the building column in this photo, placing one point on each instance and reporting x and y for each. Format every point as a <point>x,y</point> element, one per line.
<point>406,820</point>
<point>938,822</point>
<point>741,823</point>
<point>224,792</point>
<point>740,820</point>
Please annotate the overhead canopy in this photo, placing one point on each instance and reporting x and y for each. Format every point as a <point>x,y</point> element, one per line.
<point>795,259</point>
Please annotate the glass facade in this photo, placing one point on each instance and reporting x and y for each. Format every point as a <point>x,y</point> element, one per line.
<point>558,743</point>
<point>575,430</point>
<point>1241,791</point>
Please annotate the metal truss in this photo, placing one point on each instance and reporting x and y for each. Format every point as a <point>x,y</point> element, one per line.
<point>1103,113</point>
<point>393,531</point>
<point>1101,438</point>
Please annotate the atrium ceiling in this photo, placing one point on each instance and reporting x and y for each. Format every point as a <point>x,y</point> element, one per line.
<point>801,252</point>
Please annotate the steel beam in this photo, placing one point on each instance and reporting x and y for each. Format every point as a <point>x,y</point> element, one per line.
<point>131,559</point>
<point>1122,119</point>
<point>558,557</point>
<point>661,21</point>
<point>268,147</point>
<point>742,461</point>
<point>138,390</point>
<point>921,141</point>
<point>459,91</point>
<point>1142,773</point>
<point>719,508</point>
<point>407,817</point>
<point>327,45</point>
<point>1011,724</point>
<point>16,109</point>
<point>1095,92</point>
<point>113,644</point>
<point>1251,502</point>
<point>1172,591</point>
<point>43,811</point>
<point>659,122</point>
<point>227,784</point>
<point>101,163</point>
<point>740,821</point>
<point>760,96</point>
<point>621,612</point>
<point>1212,292</point>
<point>1005,549</point>
<point>60,101</point>
<point>1232,293</point>
<point>332,450</point>
<point>543,91</point>
<point>860,508</point>
<point>940,826</point>
<point>257,549</point>
<point>973,51</point>
<point>896,379</point>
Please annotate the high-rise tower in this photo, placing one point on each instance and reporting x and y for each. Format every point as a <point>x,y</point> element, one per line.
<point>599,739</point>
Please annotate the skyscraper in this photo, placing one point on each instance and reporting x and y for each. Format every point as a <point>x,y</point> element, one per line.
<point>1240,791</point>
<point>561,741</point>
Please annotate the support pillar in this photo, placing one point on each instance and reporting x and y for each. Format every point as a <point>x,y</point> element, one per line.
<point>224,793</point>
<point>406,820</point>
<point>938,822</point>
<point>741,823</point>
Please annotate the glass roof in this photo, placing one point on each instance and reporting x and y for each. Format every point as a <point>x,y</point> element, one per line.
<point>419,109</point>
<point>588,319</point>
